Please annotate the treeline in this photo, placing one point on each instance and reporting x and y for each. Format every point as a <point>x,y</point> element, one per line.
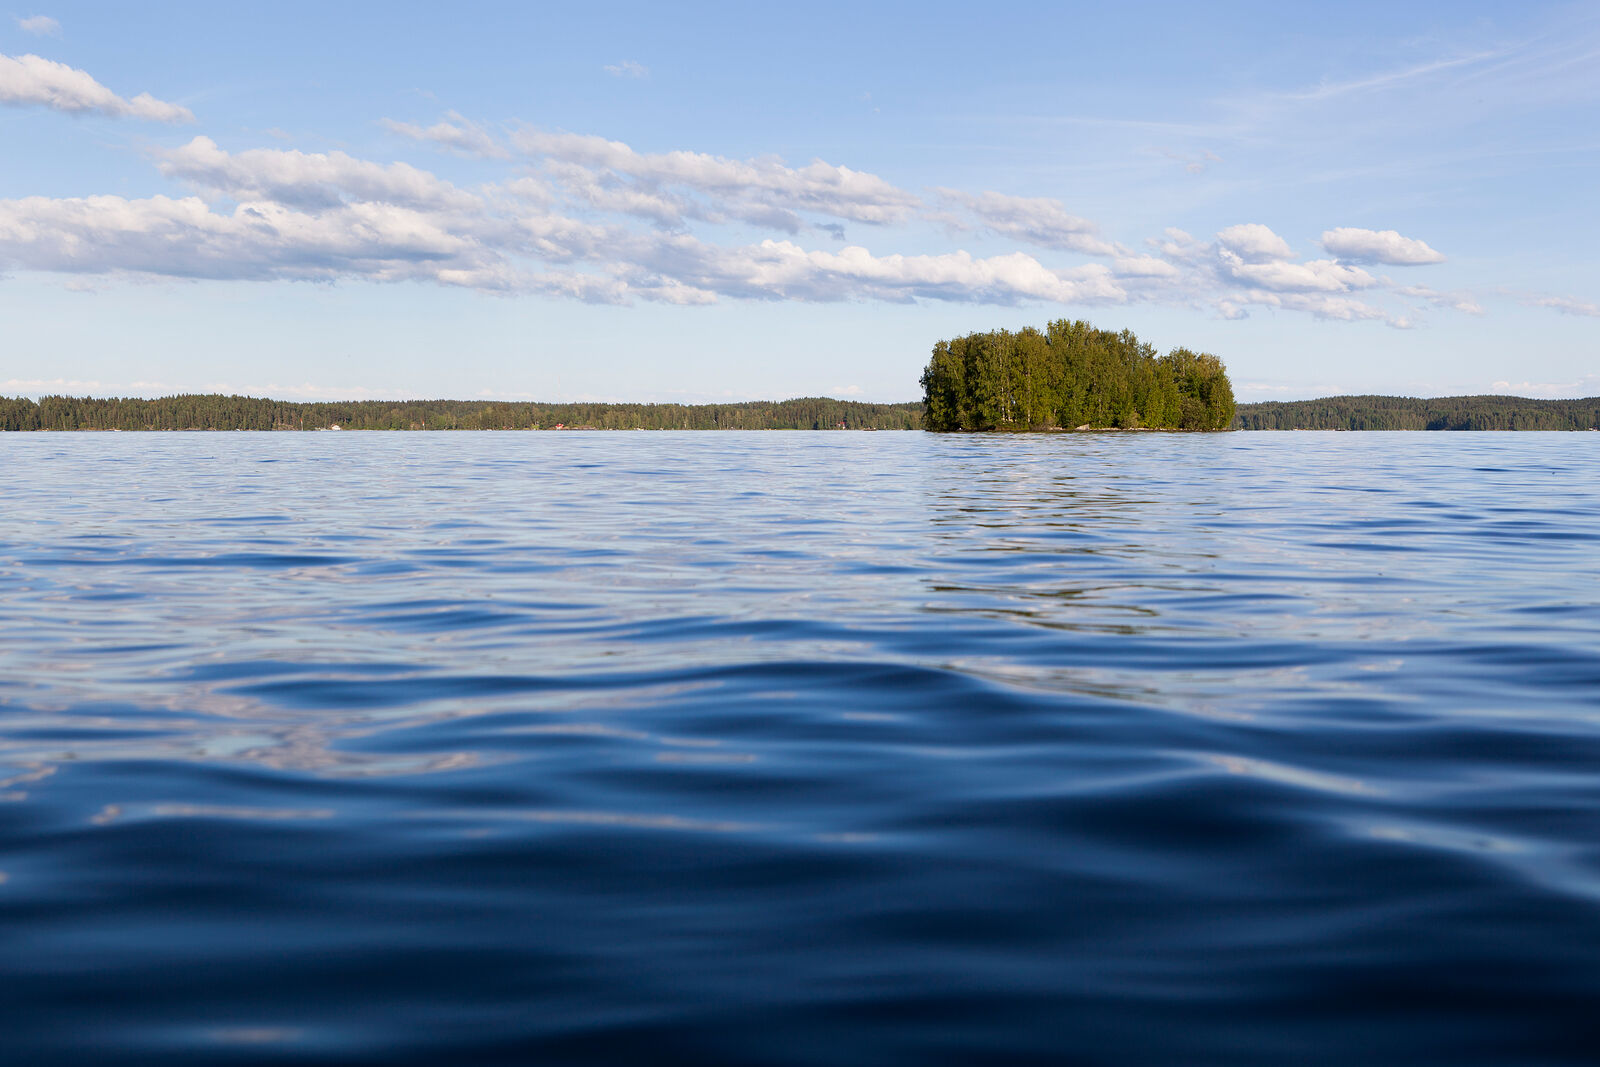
<point>209,412</point>
<point>1411,413</point>
<point>1072,376</point>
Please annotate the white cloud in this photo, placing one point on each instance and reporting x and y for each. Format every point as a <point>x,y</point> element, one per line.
<point>1254,243</point>
<point>1317,275</point>
<point>1037,220</point>
<point>31,79</point>
<point>763,191</point>
<point>1465,303</point>
<point>39,25</point>
<point>570,228</point>
<point>1144,267</point>
<point>80,386</point>
<point>628,69</point>
<point>1318,305</point>
<point>185,238</point>
<point>307,180</point>
<point>784,270</point>
<point>1246,391</point>
<point>1567,305</point>
<point>1585,385</point>
<point>378,241</point>
<point>1252,266</point>
<point>308,391</point>
<point>456,132</point>
<point>1176,244</point>
<point>1377,246</point>
<point>530,190</point>
<point>606,192</point>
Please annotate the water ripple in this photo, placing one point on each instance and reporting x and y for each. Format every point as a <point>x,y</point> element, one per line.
<point>798,748</point>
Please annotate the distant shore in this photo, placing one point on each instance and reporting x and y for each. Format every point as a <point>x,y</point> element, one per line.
<point>216,412</point>
<point>1414,413</point>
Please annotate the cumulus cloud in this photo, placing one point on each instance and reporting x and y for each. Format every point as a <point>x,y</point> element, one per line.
<point>306,180</point>
<point>39,25</point>
<point>1282,275</point>
<point>1144,267</point>
<point>455,132</point>
<point>568,224</point>
<point>628,68</point>
<point>1178,245</point>
<point>1037,220</point>
<point>321,239</point>
<point>1254,243</point>
<point>607,192</point>
<point>185,238</point>
<point>1318,305</point>
<point>785,270</point>
<point>1251,266</point>
<point>34,80</point>
<point>1377,246</point>
<point>762,191</point>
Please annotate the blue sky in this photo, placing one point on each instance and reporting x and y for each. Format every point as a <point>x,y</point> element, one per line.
<point>733,201</point>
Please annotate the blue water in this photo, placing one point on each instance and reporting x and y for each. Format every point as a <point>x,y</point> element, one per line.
<point>799,748</point>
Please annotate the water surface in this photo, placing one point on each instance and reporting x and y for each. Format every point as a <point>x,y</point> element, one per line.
<point>799,748</point>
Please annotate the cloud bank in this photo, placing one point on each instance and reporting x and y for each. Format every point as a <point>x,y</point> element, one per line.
<point>584,217</point>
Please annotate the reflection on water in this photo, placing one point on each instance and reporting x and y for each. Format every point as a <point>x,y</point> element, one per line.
<point>798,747</point>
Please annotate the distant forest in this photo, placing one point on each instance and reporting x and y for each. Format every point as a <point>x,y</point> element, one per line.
<point>1071,375</point>
<point>1409,413</point>
<point>208,412</point>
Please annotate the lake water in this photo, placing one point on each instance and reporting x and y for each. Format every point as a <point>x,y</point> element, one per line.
<point>799,748</point>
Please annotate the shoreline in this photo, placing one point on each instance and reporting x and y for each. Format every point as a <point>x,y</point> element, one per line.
<point>217,413</point>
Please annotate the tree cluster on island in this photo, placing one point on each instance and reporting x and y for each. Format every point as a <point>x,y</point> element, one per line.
<point>1071,375</point>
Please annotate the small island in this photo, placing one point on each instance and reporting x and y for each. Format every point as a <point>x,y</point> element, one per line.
<point>1068,376</point>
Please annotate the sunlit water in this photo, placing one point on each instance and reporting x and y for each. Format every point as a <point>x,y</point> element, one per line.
<point>799,748</point>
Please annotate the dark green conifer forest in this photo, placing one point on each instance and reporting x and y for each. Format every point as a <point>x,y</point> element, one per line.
<point>209,412</point>
<point>1072,376</point>
<point>1411,413</point>
<point>1068,376</point>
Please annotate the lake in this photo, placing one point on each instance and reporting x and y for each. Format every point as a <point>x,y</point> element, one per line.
<point>796,748</point>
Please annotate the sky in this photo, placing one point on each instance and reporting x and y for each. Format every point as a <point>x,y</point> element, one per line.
<point>743,201</point>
